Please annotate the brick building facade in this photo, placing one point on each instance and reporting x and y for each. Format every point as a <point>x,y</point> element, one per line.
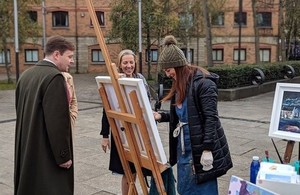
<point>70,18</point>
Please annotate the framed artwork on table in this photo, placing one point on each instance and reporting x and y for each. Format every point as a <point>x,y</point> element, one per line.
<point>127,85</point>
<point>238,185</point>
<point>285,119</point>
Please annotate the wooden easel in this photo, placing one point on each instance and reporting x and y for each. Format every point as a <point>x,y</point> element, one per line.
<point>127,120</point>
<point>289,151</point>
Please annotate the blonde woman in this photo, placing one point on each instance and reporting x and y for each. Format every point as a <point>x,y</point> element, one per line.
<point>127,66</point>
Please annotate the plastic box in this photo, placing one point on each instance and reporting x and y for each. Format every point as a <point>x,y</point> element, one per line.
<point>279,178</point>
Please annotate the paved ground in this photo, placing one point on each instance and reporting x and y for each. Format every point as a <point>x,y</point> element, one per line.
<point>246,124</point>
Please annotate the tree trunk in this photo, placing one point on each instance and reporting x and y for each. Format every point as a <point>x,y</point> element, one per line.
<point>256,35</point>
<point>149,53</point>
<point>7,66</point>
<point>208,33</point>
<point>281,26</point>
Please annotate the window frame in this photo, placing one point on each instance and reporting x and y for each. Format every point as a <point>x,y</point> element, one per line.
<point>2,60</point>
<point>267,19</point>
<point>101,21</point>
<point>261,51</point>
<point>235,58</point>
<point>186,23</point>
<point>153,51</point>
<point>216,19</point>
<point>100,58</point>
<point>33,15</point>
<point>60,15</point>
<point>215,54</point>
<point>31,51</point>
<point>191,60</point>
<point>236,17</point>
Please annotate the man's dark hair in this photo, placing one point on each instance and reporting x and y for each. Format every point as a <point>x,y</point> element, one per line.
<point>58,43</point>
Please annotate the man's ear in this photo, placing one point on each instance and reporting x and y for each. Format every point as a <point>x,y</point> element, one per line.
<point>56,54</point>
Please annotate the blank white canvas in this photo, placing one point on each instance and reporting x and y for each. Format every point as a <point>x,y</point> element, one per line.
<point>128,85</point>
<point>114,104</point>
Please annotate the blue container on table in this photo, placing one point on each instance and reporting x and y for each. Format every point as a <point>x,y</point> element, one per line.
<point>254,168</point>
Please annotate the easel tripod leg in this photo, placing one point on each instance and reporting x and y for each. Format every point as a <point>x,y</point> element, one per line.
<point>288,151</point>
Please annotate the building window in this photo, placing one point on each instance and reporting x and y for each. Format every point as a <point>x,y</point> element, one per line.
<point>265,55</point>
<point>2,57</point>
<point>32,15</point>
<point>237,18</point>
<point>236,55</point>
<point>186,20</point>
<point>218,54</point>
<point>218,19</point>
<point>264,19</point>
<point>191,54</point>
<point>60,19</point>
<point>100,17</point>
<point>153,55</point>
<point>31,55</point>
<point>97,55</point>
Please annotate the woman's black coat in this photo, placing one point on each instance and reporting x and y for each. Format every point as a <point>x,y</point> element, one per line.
<point>206,132</point>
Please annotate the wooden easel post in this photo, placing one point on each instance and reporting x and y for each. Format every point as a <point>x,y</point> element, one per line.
<point>134,157</point>
<point>127,120</point>
<point>115,134</point>
<point>288,151</point>
<point>156,172</point>
<point>121,152</point>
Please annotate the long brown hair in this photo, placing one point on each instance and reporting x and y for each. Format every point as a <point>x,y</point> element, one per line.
<point>183,76</point>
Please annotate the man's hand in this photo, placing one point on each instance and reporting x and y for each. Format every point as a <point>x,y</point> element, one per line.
<point>66,165</point>
<point>105,144</point>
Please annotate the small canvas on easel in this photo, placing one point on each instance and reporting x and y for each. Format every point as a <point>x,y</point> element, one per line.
<point>128,85</point>
<point>285,120</point>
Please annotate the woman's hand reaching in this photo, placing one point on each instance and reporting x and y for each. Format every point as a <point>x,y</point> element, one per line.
<point>157,116</point>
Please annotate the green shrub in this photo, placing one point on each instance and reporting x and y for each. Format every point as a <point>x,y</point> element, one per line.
<point>233,76</point>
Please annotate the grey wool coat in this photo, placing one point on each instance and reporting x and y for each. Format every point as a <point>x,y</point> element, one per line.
<point>43,138</point>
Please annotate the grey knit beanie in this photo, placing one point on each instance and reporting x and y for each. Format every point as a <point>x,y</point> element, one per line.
<point>171,56</point>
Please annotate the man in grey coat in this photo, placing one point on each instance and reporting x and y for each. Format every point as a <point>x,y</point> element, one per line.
<point>43,139</point>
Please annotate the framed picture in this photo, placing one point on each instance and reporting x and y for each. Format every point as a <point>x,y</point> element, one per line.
<point>127,85</point>
<point>285,119</point>
<point>240,186</point>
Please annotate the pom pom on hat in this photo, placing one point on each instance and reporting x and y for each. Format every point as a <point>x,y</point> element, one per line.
<point>171,56</point>
<point>170,39</point>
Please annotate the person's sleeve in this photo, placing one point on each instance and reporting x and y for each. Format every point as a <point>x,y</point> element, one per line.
<point>208,97</point>
<point>104,125</point>
<point>57,119</point>
<point>73,104</point>
<point>165,117</point>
